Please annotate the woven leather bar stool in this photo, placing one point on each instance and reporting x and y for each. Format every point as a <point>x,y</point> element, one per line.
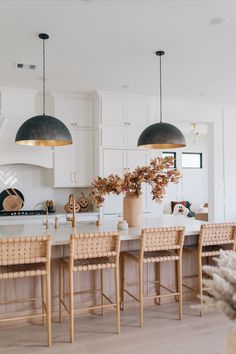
<point>22,257</point>
<point>157,245</point>
<point>87,252</point>
<point>212,238</point>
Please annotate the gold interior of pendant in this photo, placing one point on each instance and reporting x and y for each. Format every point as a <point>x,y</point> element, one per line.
<point>44,142</point>
<point>161,146</point>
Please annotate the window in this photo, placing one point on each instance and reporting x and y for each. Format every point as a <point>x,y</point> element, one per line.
<point>191,160</point>
<point>171,154</point>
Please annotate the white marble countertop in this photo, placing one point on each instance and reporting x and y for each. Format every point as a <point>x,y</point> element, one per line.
<point>61,235</point>
<point>24,219</point>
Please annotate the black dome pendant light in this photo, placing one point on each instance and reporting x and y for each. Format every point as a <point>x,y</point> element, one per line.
<point>43,130</point>
<point>161,135</point>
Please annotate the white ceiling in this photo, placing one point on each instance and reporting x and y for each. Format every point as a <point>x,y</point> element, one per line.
<point>106,44</point>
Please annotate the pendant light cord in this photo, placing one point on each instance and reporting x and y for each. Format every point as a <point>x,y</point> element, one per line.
<point>44,83</point>
<point>160,93</point>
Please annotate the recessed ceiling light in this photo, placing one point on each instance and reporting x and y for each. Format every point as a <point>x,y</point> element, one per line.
<point>216,21</point>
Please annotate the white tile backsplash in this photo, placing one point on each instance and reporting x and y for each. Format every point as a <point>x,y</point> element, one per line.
<point>35,183</point>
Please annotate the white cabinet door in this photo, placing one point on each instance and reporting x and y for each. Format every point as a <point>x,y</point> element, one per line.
<point>63,174</point>
<point>114,162</point>
<point>113,136</point>
<point>113,110</point>
<point>82,157</point>
<point>118,136</point>
<point>138,112</point>
<point>74,112</point>
<point>73,165</point>
<point>132,135</point>
<point>83,113</point>
<point>64,110</point>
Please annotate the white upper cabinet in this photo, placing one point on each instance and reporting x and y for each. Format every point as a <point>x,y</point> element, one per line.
<point>73,164</point>
<point>138,112</point>
<point>116,136</point>
<point>113,136</point>
<point>113,110</point>
<point>123,119</point>
<point>74,111</point>
<point>64,110</point>
<point>125,111</point>
<point>83,113</point>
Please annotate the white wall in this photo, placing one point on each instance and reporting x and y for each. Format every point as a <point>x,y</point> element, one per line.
<point>229,160</point>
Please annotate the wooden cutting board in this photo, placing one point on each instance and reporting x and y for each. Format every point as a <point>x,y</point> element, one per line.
<point>11,199</point>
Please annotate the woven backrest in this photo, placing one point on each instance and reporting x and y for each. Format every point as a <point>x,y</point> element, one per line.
<point>93,245</point>
<point>217,234</point>
<point>24,250</point>
<point>162,238</point>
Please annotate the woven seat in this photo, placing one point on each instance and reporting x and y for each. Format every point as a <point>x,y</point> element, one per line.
<point>83,265</point>
<point>157,245</point>
<point>154,256</point>
<point>22,270</point>
<point>22,257</point>
<point>87,252</point>
<point>212,238</point>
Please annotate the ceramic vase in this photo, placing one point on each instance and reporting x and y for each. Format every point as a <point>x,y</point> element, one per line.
<point>132,209</point>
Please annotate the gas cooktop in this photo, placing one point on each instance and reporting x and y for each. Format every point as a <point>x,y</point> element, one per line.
<point>23,212</point>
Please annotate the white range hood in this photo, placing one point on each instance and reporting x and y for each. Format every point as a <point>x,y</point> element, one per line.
<point>15,154</point>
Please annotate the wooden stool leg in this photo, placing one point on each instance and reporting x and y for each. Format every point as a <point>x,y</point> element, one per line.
<point>180,291</point>
<point>71,305</point>
<point>43,298</point>
<point>61,290</point>
<point>48,305</point>
<point>158,280</point>
<point>140,285</point>
<point>200,282</point>
<point>117,295</point>
<point>122,282</point>
<point>177,279</point>
<point>102,290</point>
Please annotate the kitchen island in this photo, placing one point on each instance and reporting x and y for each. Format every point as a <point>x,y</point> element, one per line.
<point>19,288</point>
<point>60,236</point>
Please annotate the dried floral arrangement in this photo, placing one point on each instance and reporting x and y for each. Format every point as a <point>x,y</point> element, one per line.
<point>222,284</point>
<point>158,174</point>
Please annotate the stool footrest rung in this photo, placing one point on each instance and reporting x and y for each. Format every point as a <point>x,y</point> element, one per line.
<point>96,307</point>
<point>23,317</point>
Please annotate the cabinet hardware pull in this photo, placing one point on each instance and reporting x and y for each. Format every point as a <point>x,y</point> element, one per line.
<point>71,177</point>
<point>76,177</point>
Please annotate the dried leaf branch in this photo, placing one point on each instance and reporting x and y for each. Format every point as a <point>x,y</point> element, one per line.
<point>158,174</point>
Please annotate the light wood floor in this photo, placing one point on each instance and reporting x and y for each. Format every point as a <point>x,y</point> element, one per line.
<point>162,334</point>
